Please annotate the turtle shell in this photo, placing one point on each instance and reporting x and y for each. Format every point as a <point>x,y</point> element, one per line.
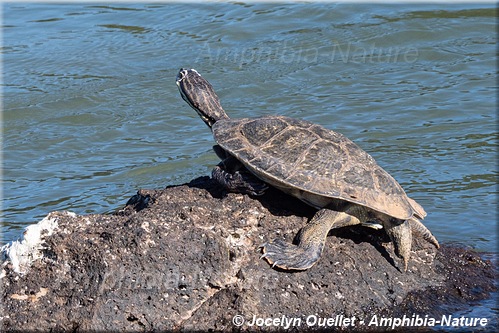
<point>313,163</point>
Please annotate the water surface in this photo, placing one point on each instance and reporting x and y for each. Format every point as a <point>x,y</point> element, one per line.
<point>91,112</point>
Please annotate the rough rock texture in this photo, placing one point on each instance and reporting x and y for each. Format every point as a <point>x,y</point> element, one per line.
<point>186,258</point>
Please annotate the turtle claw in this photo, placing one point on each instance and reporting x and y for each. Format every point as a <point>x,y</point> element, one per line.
<point>288,256</point>
<point>265,256</point>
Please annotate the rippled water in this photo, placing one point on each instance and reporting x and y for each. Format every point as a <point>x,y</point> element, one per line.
<point>91,112</point>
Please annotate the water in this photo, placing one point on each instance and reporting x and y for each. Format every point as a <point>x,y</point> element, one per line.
<point>91,112</point>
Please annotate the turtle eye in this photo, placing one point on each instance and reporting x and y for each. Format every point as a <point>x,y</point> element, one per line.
<point>181,75</point>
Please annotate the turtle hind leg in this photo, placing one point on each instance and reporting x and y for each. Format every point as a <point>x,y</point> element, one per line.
<point>418,227</point>
<point>401,236</point>
<point>311,240</point>
<point>234,177</point>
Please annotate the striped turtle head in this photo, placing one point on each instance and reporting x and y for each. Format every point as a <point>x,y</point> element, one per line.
<point>199,94</point>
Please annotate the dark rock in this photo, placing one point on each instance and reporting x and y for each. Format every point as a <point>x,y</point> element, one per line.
<point>187,258</point>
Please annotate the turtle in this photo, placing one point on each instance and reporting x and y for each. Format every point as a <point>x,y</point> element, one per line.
<point>321,167</point>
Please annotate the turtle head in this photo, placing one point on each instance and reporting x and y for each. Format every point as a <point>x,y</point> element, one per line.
<point>199,94</point>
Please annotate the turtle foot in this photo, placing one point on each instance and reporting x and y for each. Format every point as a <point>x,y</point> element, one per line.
<point>401,236</point>
<point>418,227</point>
<point>288,256</point>
<point>239,181</point>
<point>249,184</point>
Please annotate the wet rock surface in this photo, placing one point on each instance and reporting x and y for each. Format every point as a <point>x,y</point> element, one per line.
<point>186,258</point>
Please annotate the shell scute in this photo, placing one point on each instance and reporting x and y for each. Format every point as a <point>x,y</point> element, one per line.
<point>300,157</point>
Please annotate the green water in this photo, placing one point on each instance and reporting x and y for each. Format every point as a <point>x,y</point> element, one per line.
<point>91,112</point>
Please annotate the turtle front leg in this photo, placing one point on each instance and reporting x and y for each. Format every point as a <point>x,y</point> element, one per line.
<point>311,240</point>
<point>234,177</point>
